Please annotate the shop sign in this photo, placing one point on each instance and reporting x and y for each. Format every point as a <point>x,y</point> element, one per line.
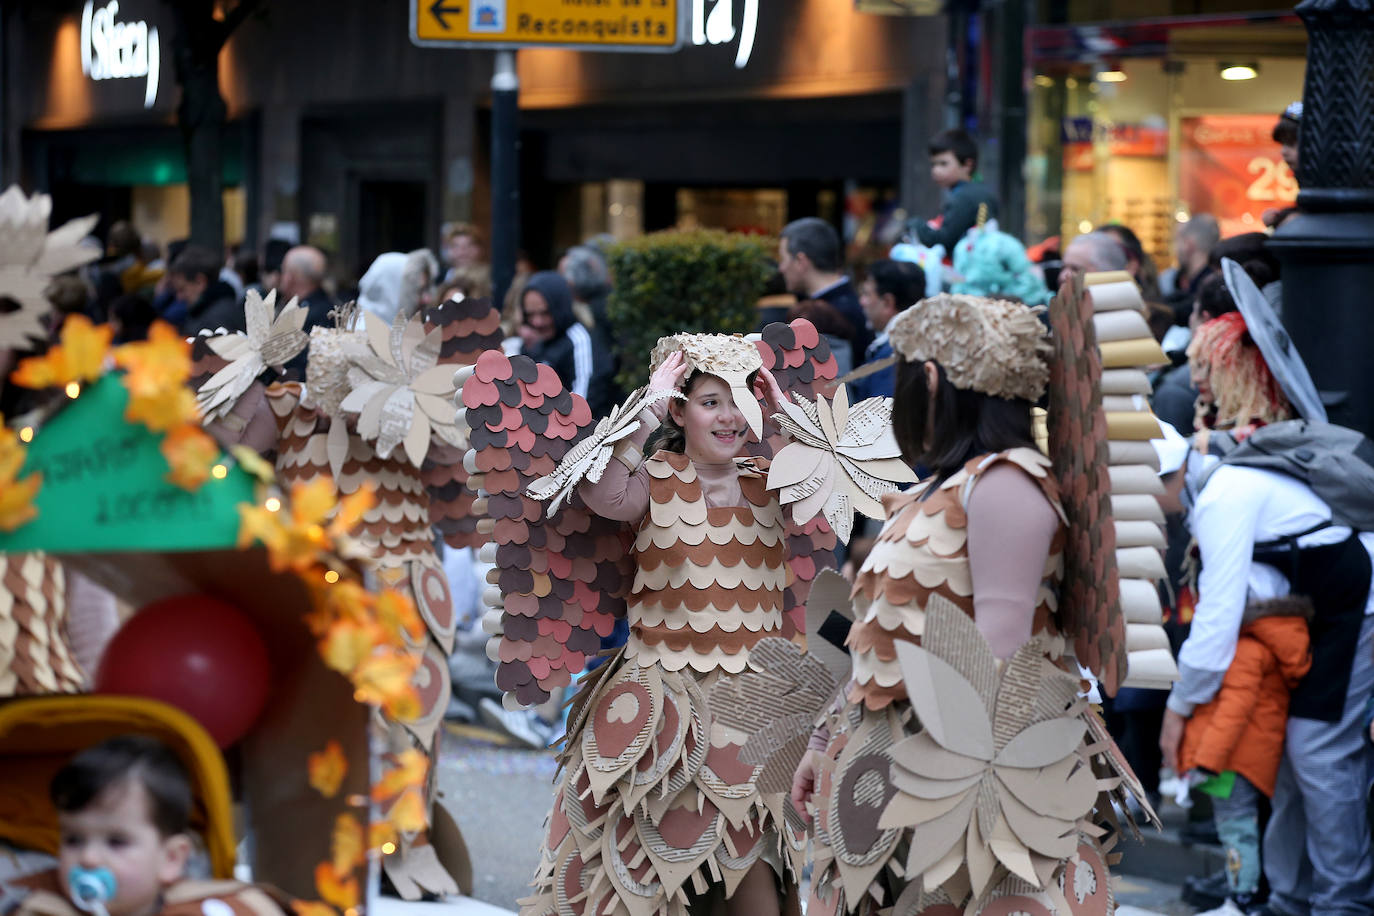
<point>1120,138</point>
<point>114,50</point>
<point>591,25</point>
<point>1230,167</point>
<point>718,26</point>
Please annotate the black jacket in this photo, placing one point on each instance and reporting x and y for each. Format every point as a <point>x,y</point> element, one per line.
<point>217,307</point>
<point>1174,398</point>
<point>846,302</point>
<point>958,215</point>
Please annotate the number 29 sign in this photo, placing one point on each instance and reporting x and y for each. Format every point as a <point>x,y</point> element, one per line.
<point>1230,166</point>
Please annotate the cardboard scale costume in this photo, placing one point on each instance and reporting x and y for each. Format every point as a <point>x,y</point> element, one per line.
<point>656,807</point>
<point>954,779</point>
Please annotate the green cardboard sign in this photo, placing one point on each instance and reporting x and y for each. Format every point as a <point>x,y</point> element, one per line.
<point>105,488</point>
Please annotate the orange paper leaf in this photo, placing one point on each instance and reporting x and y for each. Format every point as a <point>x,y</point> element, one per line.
<point>383,679</point>
<point>190,453</point>
<point>16,501</point>
<point>162,409</point>
<point>312,908</point>
<point>408,814</point>
<point>327,769</point>
<point>161,362</point>
<point>396,612</point>
<point>352,508</point>
<point>346,845</point>
<point>79,356</point>
<point>340,890</point>
<point>380,833</point>
<point>409,773</point>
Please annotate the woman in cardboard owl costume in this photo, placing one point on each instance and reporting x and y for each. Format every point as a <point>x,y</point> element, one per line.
<point>960,767</point>
<point>655,811</point>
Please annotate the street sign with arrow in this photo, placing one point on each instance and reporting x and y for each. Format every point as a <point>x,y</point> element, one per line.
<point>591,25</point>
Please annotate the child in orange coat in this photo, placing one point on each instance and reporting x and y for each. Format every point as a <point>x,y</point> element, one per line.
<point>1236,740</point>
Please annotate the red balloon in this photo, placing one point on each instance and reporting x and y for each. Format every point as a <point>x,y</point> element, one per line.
<point>196,653</point>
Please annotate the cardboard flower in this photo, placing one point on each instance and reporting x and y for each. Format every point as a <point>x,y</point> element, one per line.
<point>775,701</point>
<point>400,392</point>
<point>840,459</point>
<point>588,459</point>
<point>273,338</point>
<point>30,256</point>
<point>79,356</point>
<point>998,775</point>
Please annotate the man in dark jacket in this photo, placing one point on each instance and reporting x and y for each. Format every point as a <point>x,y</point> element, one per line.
<point>809,260</point>
<point>211,303</point>
<point>550,333</point>
<point>302,276</point>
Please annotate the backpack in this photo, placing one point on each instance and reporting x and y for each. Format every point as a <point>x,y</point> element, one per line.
<point>1336,462</point>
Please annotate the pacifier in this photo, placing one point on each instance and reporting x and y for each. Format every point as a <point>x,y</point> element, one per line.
<point>91,888</point>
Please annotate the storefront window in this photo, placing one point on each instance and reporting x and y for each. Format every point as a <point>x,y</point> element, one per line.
<point>1149,141</point>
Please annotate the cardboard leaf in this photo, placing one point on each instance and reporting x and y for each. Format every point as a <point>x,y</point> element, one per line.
<point>948,706</point>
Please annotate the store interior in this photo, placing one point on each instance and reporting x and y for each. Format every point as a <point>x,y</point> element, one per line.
<point>1149,141</point>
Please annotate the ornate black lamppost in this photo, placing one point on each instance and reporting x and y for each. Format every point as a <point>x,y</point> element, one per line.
<point>1328,250</point>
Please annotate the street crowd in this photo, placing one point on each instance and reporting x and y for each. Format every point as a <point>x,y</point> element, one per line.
<point>1266,737</point>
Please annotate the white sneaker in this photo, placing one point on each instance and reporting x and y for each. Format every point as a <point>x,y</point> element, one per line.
<point>522,724</point>
<point>1229,907</point>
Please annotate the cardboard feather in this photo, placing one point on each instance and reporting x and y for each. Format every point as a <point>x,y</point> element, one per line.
<point>271,341</point>
<point>30,256</point>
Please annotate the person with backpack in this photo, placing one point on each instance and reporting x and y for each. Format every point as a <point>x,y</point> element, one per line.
<point>1282,508</point>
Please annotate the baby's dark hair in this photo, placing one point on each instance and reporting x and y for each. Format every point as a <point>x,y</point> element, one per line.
<point>120,760</point>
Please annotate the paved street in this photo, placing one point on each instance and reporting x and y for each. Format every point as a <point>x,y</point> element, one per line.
<point>500,796</point>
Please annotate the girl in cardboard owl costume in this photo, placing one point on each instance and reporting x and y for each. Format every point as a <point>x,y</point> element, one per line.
<point>961,767</point>
<point>655,812</point>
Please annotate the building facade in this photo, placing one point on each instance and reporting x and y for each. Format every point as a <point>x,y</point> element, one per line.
<point>343,133</point>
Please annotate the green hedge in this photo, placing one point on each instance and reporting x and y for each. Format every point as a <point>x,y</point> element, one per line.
<point>703,280</point>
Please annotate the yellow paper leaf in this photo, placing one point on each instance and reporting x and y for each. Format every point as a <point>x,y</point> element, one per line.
<point>163,409</point>
<point>16,501</point>
<point>408,814</point>
<point>253,463</point>
<point>312,908</point>
<point>409,773</point>
<point>161,362</point>
<point>403,706</point>
<point>327,769</point>
<point>340,890</point>
<point>79,356</point>
<point>379,833</point>
<point>348,645</point>
<point>190,453</point>
<point>345,600</point>
<point>346,844</point>
<point>85,347</point>
<point>384,677</point>
<point>398,617</point>
<point>352,508</point>
<point>312,500</point>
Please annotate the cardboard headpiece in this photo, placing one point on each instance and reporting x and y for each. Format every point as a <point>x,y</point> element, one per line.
<point>725,356</point>
<point>1269,335</point>
<point>992,346</point>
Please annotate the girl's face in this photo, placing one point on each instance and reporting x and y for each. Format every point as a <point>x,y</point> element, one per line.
<point>712,425</point>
